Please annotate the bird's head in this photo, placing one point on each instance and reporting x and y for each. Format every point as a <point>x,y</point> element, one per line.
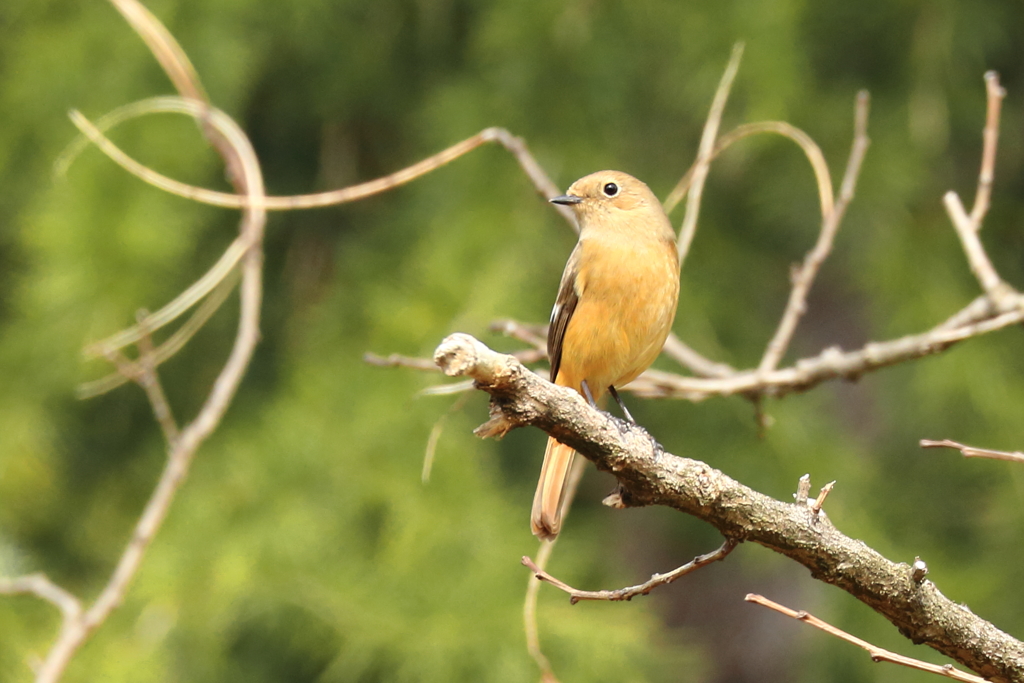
<point>618,201</point>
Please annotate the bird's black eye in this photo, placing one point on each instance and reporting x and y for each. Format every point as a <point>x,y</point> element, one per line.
<point>610,189</point>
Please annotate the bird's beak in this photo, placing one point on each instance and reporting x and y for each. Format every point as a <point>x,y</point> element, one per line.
<point>567,199</point>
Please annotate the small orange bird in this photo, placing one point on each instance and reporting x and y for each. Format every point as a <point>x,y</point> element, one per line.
<point>614,309</point>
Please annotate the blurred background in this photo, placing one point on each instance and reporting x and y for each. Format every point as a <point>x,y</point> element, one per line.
<point>304,546</point>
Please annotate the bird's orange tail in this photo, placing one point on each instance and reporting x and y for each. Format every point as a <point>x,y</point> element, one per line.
<point>547,502</point>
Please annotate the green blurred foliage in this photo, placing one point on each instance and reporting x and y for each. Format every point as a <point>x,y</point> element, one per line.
<point>304,546</point>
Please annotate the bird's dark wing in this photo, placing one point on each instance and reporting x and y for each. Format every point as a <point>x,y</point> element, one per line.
<point>561,314</point>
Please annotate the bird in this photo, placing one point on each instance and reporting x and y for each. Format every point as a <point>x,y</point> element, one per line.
<point>615,307</point>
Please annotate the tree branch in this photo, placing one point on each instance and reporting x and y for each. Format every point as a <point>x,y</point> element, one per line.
<point>650,476</point>
<point>877,654</point>
<point>972,452</point>
<point>630,592</point>
<point>246,255</point>
<point>705,154</point>
<point>808,270</point>
<point>832,363</point>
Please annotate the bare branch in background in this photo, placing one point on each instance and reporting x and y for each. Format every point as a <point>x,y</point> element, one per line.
<point>144,373</point>
<point>210,305</point>
<point>534,335</point>
<point>807,145</point>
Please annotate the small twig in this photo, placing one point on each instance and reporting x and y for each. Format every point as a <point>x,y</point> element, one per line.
<point>877,654</point>
<point>822,495</point>
<point>972,452</point>
<point>630,592</point>
<point>968,226</point>
<point>762,420</point>
<point>397,360</point>
<point>805,274</point>
<point>982,308</point>
<point>803,490</point>
<point>447,389</point>
<point>918,570</point>
<point>705,153</point>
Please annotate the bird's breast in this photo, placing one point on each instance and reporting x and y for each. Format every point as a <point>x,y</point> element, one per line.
<point>628,291</point>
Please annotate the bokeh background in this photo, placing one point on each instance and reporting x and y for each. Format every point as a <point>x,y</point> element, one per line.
<point>304,546</point>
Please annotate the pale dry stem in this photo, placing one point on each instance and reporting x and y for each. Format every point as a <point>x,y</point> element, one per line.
<point>819,502</point>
